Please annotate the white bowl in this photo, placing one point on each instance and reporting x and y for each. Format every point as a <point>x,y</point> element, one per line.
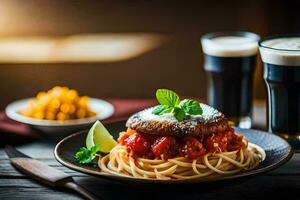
<point>102,108</point>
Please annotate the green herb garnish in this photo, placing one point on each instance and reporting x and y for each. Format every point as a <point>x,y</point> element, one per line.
<point>170,103</point>
<point>85,155</point>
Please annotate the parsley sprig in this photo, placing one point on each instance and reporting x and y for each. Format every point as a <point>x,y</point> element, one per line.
<point>170,103</point>
<point>85,155</point>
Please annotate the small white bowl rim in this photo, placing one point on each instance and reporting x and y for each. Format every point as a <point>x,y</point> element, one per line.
<point>12,111</point>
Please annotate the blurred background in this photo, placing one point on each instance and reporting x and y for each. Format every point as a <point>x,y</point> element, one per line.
<point>123,49</point>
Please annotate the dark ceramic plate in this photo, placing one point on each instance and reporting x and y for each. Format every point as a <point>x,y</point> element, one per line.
<point>278,152</point>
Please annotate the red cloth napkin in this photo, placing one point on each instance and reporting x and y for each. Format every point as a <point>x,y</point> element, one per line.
<point>125,108</point>
<point>12,132</point>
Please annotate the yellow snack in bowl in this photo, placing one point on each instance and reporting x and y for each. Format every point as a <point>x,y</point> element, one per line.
<point>58,103</point>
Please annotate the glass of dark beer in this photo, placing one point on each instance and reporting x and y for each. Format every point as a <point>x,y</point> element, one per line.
<point>281,57</point>
<point>230,61</point>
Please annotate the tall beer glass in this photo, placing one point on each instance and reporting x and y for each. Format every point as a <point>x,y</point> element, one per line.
<point>281,57</point>
<point>230,61</point>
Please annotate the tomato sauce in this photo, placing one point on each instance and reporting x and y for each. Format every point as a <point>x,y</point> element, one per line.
<point>165,147</point>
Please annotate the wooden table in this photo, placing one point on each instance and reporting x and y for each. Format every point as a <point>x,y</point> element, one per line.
<point>281,183</point>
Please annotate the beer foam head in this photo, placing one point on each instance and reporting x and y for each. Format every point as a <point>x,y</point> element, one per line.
<point>281,51</point>
<point>230,45</point>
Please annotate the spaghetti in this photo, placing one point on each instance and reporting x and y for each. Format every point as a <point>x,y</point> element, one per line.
<point>180,140</point>
<point>120,162</point>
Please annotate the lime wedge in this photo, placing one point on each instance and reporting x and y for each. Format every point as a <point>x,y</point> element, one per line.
<point>98,135</point>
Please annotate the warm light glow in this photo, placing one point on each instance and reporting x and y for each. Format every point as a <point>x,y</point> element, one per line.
<point>77,48</point>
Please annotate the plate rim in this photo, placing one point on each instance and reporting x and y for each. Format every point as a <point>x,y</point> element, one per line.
<point>172,181</point>
<point>12,113</point>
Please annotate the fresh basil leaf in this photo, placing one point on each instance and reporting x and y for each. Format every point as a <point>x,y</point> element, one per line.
<point>161,109</point>
<point>179,113</point>
<point>170,103</point>
<point>167,97</point>
<point>85,155</point>
<point>191,107</point>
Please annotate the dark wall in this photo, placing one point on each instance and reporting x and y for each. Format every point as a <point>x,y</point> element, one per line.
<point>177,64</point>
